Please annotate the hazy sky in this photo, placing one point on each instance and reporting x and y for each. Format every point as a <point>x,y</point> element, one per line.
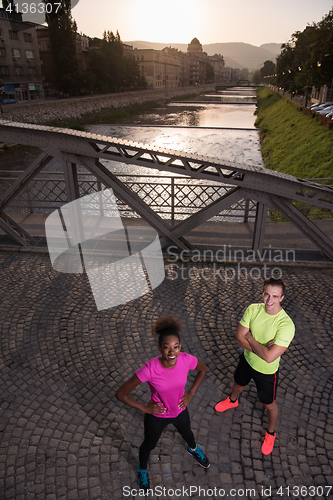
<point>178,21</point>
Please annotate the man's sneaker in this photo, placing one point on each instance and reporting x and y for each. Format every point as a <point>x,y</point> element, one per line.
<point>226,404</point>
<point>268,444</point>
<point>143,479</point>
<point>199,455</point>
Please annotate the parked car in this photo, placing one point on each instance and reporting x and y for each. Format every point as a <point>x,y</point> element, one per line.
<point>325,111</point>
<point>321,106</point>
<point>316,104</point>
<point>330,115</point>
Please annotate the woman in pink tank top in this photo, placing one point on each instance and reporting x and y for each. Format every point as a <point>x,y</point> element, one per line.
<point>167,376</point>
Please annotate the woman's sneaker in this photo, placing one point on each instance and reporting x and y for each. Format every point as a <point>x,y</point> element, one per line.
<point>199,455</point>
<point>143,479</point>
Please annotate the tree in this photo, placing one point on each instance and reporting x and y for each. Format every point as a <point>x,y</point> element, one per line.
<point>322,52</point>
<point>308,58</point>
<point>284,63</point>
<point>267,71</point>
<point>256,77</point>
<point>62,35</point>
<point>244,74</point>
<point>111,69</point>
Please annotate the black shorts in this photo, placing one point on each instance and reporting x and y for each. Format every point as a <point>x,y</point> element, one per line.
<point>266,384</point>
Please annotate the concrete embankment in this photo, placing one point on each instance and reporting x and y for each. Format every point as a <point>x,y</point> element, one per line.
<point>44,112</point>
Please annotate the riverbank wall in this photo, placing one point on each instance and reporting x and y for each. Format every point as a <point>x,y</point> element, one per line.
<point>60,110</point>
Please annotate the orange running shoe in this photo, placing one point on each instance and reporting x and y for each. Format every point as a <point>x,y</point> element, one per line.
<point>268,444</point>
<point>226,404</point>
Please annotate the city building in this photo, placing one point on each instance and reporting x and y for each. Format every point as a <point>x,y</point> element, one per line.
<point>128,50</point>
<point>20,65</point>
<point>198,59</point>
<point>198,63</point>
<point>163,68</point>
<point>217,61</point>
<point>227,74</point>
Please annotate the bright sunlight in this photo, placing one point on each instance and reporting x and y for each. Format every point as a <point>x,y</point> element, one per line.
<point>162,22</point>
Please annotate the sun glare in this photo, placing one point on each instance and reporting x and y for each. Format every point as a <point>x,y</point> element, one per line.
<point>171,21</point>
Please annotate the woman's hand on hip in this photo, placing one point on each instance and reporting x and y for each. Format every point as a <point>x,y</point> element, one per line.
<point>155,408</point>
<point>185,400</point>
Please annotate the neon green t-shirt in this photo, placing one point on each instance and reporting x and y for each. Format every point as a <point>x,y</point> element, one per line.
<point>264,328</point>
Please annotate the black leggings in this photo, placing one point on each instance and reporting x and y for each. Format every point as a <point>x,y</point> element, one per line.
<point>154,427</point>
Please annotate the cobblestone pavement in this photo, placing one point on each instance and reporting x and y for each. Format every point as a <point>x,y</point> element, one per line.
<point>65,436</point>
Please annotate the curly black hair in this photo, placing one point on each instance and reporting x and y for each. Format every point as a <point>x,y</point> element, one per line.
<point>166,326</point>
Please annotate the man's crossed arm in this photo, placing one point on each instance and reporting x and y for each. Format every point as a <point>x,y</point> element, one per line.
<point>268,354</point>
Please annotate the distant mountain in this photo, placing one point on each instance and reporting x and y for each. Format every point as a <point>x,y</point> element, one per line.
<point>236,54</point>
<point>244,54</point>
<point>275,48</point>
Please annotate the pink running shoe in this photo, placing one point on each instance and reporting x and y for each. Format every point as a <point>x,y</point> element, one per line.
<point>225,405</point>
<point>268,444</point>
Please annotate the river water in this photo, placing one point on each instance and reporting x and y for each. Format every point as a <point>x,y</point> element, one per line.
<point>222,131</point>
<point>211,127</point>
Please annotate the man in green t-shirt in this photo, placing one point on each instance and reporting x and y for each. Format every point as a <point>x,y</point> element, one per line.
<point>265,331</point>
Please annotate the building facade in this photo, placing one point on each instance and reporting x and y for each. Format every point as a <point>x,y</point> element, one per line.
<point>163,68</point>
<point>20,64</point>
<point>217,61</point>
<point>198,64</point>
<point>198,60</point>
<point>172,68</point>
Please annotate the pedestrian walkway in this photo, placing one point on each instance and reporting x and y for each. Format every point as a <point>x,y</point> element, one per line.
<point>212,234</point>
<point>64,435</point>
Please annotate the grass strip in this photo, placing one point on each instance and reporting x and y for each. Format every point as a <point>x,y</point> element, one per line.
<point>292,142</point>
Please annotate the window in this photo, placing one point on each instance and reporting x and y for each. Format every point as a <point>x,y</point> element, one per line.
<point>18,70</point>
<point>29,54</point>
<point>43,45</point>
<point>13,35</point>
<point>4,70</point>
<point>32,71</point>
<point>16,53</point>
<point>2,52</point>
<point>27,37</point>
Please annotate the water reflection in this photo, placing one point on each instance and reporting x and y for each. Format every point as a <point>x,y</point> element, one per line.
<point>194,114</point>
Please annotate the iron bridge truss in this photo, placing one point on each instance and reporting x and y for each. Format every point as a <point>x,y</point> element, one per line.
<point>268,188</point>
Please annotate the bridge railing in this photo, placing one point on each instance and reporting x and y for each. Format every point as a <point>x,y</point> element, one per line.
<point>172,198</point>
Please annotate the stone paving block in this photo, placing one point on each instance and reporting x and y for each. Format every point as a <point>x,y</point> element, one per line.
<point>60,422</point>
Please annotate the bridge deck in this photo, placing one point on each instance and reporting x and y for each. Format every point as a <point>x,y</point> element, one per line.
<point>214,234</point>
